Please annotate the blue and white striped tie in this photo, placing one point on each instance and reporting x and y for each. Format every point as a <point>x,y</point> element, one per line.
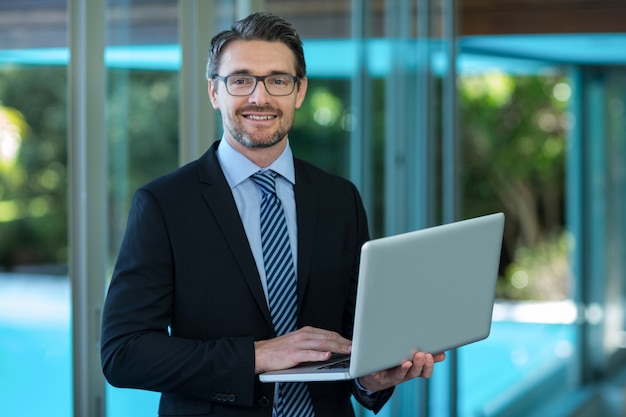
<point>293,398</point>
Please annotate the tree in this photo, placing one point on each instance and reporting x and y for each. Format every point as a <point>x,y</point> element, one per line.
<point>34,186</point>
<point>513,142</point>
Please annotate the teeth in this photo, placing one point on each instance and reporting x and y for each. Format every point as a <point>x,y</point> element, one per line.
<point>259,117</point>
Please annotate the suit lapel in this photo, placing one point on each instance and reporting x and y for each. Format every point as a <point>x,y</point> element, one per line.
<point>306,195</point>
<point>218,197</point>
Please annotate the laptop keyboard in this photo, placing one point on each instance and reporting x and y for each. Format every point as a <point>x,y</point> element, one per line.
<point>343,364</point>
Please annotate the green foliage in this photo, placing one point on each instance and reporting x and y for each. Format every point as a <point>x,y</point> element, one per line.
<point>321,131</point>
<point>540,272</point>
<point>33,194</point>
<point>513,142</point>
<point>142,121</point>
<point>142,126</point>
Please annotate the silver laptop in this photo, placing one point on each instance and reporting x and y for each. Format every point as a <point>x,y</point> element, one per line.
<point>430,290</point>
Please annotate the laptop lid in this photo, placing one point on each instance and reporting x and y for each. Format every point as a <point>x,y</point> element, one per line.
<point>430,290</point>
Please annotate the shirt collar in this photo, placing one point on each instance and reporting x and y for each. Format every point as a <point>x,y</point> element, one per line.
<point>238,168</point>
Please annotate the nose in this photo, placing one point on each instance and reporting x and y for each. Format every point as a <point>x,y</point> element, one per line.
<point>259,94</point>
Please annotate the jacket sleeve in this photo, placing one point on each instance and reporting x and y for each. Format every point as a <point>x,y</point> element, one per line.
<point>374,401</point>
<point>138,349</point>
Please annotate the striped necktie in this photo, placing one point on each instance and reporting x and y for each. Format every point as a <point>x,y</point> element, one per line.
<point>293,398</point>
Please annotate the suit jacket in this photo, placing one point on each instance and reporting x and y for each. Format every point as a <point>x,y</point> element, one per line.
<point>185,304</point>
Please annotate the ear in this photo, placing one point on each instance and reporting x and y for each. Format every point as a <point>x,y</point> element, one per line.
<point>213,94</point>
<point>301,93</point>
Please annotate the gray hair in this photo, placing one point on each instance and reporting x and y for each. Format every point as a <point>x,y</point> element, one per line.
<point>261,26</point>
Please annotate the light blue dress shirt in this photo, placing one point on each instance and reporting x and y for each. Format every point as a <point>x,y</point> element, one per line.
<point>237,170</point>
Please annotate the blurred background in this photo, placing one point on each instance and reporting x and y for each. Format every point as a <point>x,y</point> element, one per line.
<point>439,110</point>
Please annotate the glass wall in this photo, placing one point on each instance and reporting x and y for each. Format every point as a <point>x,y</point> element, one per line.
<point>597,215</point>
<point>35,336</point>
<point>142,126</point>
<point>515,128</point>
<point>615,257</point>
<point>142,102</point>
<point>430,131</point>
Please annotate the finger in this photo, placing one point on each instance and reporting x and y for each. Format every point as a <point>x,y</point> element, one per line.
<point>423,364</point>
<point>428,367</point>
<point>417,365</point>
<point>286,351</point>
<point>323,340</point>
<point>403,371</point>
<point>311,356</point>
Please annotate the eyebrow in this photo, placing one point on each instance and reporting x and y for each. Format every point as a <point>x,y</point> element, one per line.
<point>248,72</point>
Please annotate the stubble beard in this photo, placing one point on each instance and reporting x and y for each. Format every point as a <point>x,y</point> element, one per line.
<point>265,141</point>
<point>257,140</point>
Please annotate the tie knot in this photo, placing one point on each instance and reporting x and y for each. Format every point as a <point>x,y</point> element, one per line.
<point>266,180</point>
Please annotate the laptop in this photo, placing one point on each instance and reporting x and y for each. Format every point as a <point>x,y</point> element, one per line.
<point>430,290</point>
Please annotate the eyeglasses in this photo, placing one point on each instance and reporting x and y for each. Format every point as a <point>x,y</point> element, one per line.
<point>244,85</point>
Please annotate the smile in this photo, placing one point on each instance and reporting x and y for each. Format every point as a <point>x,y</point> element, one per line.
<point>254,117</point>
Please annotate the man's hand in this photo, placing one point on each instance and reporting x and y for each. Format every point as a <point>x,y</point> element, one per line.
<point>422,366</point>
<point>308,344</point>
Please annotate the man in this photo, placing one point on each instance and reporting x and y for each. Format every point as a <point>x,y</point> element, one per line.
<point>190,311</point>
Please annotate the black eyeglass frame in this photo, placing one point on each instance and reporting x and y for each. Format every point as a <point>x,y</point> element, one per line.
<point>257,78</point>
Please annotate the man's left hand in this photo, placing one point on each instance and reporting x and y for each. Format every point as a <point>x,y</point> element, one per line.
<point>421,366</point>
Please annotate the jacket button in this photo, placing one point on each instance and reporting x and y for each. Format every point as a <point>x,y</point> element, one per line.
<point>264,402</point>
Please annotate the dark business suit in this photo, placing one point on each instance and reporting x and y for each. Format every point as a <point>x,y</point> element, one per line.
<point>185,262</point>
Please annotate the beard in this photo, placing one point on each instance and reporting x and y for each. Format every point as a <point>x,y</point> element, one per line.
<point>258,139</point>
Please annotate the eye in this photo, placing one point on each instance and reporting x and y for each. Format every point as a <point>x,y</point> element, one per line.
<point>240,80</point>
<point>280,80</point>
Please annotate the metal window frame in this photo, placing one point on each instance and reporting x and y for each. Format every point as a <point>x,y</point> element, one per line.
<point>197,119</point>
<point>87,163</point>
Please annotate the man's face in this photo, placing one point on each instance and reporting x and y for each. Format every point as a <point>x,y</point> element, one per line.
<point>258,120</point>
